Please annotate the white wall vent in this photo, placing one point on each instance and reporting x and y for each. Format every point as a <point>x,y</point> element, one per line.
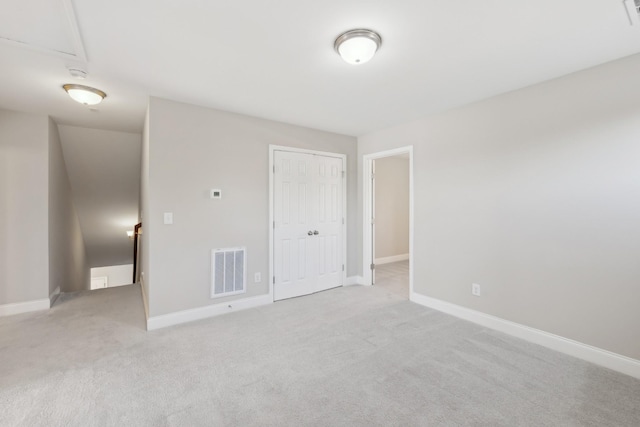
<point>228,272</point>
<point>633,9</point>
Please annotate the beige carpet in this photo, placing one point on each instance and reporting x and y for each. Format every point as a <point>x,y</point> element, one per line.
<point>353,356</point>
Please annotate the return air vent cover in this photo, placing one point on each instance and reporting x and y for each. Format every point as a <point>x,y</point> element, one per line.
<point>633,9</point>
<point>228,272</point>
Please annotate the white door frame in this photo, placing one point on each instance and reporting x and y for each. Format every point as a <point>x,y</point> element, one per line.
<point>272,150</point>
<point>367,162</point>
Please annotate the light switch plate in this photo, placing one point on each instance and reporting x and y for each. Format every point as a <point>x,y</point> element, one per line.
<point>168,217</point>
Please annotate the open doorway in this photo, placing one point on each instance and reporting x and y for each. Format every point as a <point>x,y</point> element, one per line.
<point>120,275</point>
<point>388,220</point>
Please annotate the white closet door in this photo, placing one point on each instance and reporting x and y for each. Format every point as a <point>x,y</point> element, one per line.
<point>329,222</point>
<point>308,223</point>
<point>294,247</point>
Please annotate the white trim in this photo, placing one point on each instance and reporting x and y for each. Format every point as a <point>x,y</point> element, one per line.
<point>190,315</point>
<point>367,160</point>
<point>354,280</point>
<point>144,297</point>
<point>272,150</point>
<point>25,307</point>
<point>271,226</point>
<point>390,259</point>
<point>53,296</point>
<point>598,356</point>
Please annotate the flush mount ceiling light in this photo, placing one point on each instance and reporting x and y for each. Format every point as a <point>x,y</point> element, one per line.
<point>357,46</point>
<point>84,94</point>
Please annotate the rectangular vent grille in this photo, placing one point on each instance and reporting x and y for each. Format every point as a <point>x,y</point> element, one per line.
<point>228,272</point>
<point>633,9</point>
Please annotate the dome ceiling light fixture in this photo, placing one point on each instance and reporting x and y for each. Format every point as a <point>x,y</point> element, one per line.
<point>84,94</point>
<point>357,46</point>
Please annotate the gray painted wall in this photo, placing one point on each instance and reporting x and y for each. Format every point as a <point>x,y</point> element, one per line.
<point>392,206</point>
<point>68,267</point>
<point>24,164</point>
<point>535,195</point>
<point>193,149</point>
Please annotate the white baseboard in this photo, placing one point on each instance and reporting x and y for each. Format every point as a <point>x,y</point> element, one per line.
<point>185,316</point>
<point>354,280</point>
<point>390,259</point>
<point>25,307</point>
<point>53,296</point>
<point>598,356</point>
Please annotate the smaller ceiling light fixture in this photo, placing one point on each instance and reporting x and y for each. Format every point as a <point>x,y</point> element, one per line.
<point>357,46</point>
<point>84,94</point>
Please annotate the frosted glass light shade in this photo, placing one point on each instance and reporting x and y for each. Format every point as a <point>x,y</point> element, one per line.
<point>357,46</point>
<point>84,94</point>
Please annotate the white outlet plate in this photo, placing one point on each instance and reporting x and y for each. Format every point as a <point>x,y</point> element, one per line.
<point>257,278</point>
<point>168,217</point>
<point>475,289</point>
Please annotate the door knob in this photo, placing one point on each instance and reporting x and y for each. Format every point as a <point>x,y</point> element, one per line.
<point>315,232</point>
<point>310,233</point>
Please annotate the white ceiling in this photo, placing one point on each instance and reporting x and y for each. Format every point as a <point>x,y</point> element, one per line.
<point>275,60</point>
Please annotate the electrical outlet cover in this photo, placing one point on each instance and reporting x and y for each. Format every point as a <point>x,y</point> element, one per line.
<point>475,289</point>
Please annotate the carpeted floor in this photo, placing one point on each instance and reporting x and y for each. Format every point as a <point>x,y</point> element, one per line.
<point>353,356</point>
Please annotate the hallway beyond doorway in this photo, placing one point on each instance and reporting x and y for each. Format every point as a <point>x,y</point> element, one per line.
<point>394,277</point>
